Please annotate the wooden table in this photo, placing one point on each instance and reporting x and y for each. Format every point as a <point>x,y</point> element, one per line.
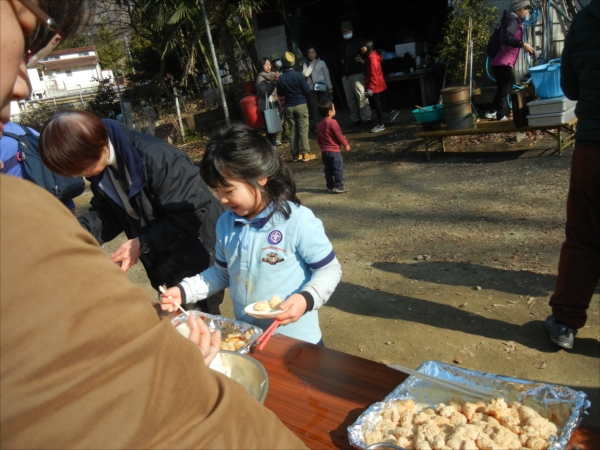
<point>318,392</point>
<point>564,135</point>
<point>427,83</point>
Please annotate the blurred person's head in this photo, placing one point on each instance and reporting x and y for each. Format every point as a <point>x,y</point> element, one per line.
<point>74,143</point>
<point>366,46</point>
<point>326,109</point>
<point>23,33</point>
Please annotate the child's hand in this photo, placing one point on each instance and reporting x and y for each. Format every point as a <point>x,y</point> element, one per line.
<point>297,306</point>
<point>170,299</point>
<point>208,343</point>
<point>347,148</point>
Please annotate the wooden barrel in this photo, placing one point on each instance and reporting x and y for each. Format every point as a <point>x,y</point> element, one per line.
<point>455,94</point>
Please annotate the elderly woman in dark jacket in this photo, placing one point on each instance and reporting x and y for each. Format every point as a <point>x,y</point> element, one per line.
<point>142,186</point>
<point>266,90</point>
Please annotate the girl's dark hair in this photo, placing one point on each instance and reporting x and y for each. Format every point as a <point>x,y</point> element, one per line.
<point>312,47</point>
<point>71,16</point>
<point>239,153</point>
<point>72,141</point>
<point>262,62</point>
<point>367,43</point>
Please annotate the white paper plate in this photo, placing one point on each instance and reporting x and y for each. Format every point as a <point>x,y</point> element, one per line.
<point>274,312</point>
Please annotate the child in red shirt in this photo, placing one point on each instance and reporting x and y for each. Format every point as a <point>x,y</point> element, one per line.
<point>330,138</point>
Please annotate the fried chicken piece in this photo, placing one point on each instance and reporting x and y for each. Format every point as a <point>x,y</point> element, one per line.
<point>421,443</point>
<point>496,407</point>
<point>468,431</point>
<point>538,407</point>
<point>455,442</point>
<point>438,442</point>
<point>373,436</point>
<point>428,431</point>
<point>405,432</point>
<point>469,409</point>
<point>391,413</point>
<point>406,419</point>
<point>544,427</point>
<point>445,411</point>
<point>484,442</point>
<point>440,420</point>
<point>527,431</point>
<point>407,404</point>
<point>421,417</point>
<point>511,420</point>
<point>536,443</point>
<point>403,442</point>
<point>560,413</point>
<point>506,439</point>
<point>457,418</point>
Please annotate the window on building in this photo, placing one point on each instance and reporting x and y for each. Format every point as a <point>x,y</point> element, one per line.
<point>69,73</point>
<point>41,74</point>
<point>51,58</point>
<point>83,54</point>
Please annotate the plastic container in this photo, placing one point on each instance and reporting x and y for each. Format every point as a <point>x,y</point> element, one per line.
<point>550,105</point>
<point>433,113</point>
<point>542,120</point>
<point>252,117</point>
<point>546,79</point>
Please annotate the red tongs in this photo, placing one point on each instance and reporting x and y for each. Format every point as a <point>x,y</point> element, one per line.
<point>264,338</point>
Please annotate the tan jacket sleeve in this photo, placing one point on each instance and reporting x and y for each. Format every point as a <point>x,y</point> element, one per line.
<point>86,362</point>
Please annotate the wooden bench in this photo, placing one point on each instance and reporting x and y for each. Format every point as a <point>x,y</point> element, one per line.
<point>564,134</point>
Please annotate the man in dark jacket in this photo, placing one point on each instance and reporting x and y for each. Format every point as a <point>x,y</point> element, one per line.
<point>353,76</point>
<point>579,264</point>
<point>143,187</point>
<point>293,86</point>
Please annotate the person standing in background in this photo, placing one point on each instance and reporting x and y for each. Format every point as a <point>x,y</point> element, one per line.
<point>511,40</point>
<point>317,76</point>
<point>579,263</point>
<point>353,78</point>
<point>292,85</point>
<point>266,91</point>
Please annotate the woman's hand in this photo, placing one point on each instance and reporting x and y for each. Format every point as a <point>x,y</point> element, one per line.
<point>127,254</point>
<point>170,299</point>
<point>297,306</point>
<point>528,48</point>
<point>347,148</point>
<point>208,343</point>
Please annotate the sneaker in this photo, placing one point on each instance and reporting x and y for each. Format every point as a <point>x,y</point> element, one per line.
<point>393,114</point>
<point>503,119</point>
<point>308,157</point>
<point>277,143</point>
<point>339,191</point>
<point>377,129</point>
<point>560,333</point>
<point>490,115</point>
<point>330,190</point>
<point>296,158</point>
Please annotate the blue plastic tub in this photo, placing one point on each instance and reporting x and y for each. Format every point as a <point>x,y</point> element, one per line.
<point>433,113</point>
<point>546,79</point>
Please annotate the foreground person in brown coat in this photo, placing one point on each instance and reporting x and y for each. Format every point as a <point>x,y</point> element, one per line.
<point>85,360</point>
<point>87,363</point>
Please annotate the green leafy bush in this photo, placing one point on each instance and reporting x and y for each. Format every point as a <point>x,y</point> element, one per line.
<point>453,47</point>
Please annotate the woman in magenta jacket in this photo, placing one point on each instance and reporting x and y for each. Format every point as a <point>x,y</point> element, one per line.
<point>374,82</point>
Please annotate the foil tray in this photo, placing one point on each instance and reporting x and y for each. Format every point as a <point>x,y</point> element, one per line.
<point>224,324</point>
<point>512,389</point>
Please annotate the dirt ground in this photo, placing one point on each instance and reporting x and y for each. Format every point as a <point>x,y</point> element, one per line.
<point>451,259</point>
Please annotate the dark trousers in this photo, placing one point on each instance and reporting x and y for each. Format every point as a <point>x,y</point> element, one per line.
<point>334,169</point>
<point>579,263</point>
<point>504,83</point>
<point>375,103</point>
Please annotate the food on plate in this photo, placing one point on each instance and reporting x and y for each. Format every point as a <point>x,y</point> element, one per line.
<point>234,340</point>
<point>230,340</point>
<point>274,301</point>
<point>262,306</point>
<point>467,425</point>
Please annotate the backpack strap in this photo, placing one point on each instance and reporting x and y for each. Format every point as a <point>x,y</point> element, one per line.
<point>15,159</point>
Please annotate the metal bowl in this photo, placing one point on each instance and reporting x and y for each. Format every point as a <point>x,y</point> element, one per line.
<point>245,370</point>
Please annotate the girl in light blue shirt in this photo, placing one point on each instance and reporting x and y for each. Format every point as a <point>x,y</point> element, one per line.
<point>267,243</point>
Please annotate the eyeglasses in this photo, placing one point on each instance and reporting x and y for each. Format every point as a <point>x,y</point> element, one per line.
<point>50,24</point>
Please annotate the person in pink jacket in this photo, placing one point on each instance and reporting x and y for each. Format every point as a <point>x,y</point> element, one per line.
<point>374,81</point>
<point>511,41</point>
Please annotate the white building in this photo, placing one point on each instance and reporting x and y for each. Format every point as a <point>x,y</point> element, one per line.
<point>63,73</point>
